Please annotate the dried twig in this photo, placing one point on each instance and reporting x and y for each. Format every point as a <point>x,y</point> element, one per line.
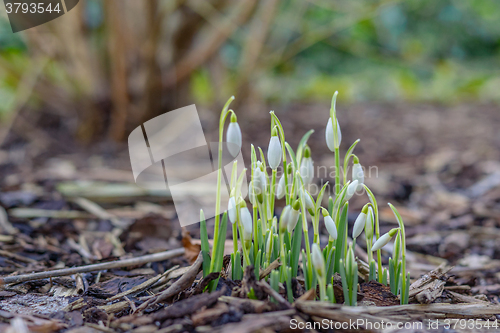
<point>142,286</point>
<point>96,267</point>
<point>267,288</point>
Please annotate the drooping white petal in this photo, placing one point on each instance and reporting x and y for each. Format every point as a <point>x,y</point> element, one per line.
<point>251,194</point>
<point>308,201</point>
<point>317,259</point>
<point>233,138</point>
<point>359,225</point>
<point>384,239</point>
<point>332,141</point>
<point>231,209</point>
<point>370,221</point>
<point>306,170</point>
<point>259,183</point>
<point>330,226</point>
<point>274,152</point>
<point>293,218</point>
<point>285,218</point>
<point>246,221</point>
<point>351,189</point>
<point>280,190</point>
<point>359,175</point>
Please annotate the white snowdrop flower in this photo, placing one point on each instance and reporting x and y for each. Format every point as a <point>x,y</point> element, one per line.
<point>358,173</point>
<point>281,190</point>
<point>332,141</point>
<point>370,221</point>
<point>306,169</point>
<point>251,194</point>
<point>259,181</point>
<point>384,239</point>
<point>246,222</point>
<point>231,209</point>
<point>308,201</point>
<point>318,261</point>
<point>284,218</point>
<point>360,222</point>
<point>233,136</point>
<point>351,189</point>
<point>274,151</point>
<point>293,216</point>
<point>329,224</point>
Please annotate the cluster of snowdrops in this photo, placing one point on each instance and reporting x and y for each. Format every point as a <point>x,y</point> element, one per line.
<point>261,237</point>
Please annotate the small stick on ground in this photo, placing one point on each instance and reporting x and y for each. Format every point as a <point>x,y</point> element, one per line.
<point>96,267</point>
<point>267,288</point>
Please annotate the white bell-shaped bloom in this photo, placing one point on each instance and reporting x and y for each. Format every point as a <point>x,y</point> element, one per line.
<point>358,174</point>
<point>351,189</point>
<point>246,222</point>
<point>370,221</point>
<point>285,218</point>
<point>333,141</point>
<point>384,239</point>
<point>317,259</point>
<point>306,169</point>
<point>359,225</point>
<point>274,152</point>
<point>233,137</point>
<point>293,217</point>
<point>251,194</point>
<point>330,226</point>
<point>280,189</point>
<point>308,201</point>
<point>259,181</point>
<point>231,209</point>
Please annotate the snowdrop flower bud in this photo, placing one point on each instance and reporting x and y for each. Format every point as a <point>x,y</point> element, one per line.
<point>306,169</point>
<point>259,182</point>
<point>329,224</point>
<point>318,261</point>
<point>370,220</point>
<point>231,209</point>
<point>350,261</point>
<point>332,141</point>
<point>358,173</point>
<point>359,224</point>
<point>281,191</point>
<point>233,136</point>
<point>246,222</point>
<point>308,202</point>
<point>284,218</point>
<point>274,151</point>
<point>351,189</point>
<point>293,217</point>
<point>384,239</point>
<point>251,194</point>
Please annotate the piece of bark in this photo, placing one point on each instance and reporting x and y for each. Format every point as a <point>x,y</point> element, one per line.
<point>246,305</point>
<point>377,293</point>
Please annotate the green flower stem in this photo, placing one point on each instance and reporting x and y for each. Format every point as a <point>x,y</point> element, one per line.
<point>322,289</point>
<point>235,238</point>
<point>255,233</point>
<point>271,192</point>
<point>337,171</point>
<point>282,139</point>
<point>315,220</point>
<point>222,120</point>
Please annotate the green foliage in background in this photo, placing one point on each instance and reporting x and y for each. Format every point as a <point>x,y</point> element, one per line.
<point>445,51</point>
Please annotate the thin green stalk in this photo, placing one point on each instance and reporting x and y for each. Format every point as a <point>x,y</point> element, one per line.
<point>337,171</point>
<point>222,120</point>
<point>271,191</point>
